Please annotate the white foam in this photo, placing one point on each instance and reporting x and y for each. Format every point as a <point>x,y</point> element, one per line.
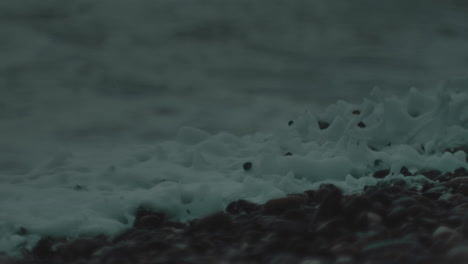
<point>92,191</point>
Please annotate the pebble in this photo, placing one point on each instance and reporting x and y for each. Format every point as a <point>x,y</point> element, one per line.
<point>80,248</point>
<point>462,189</point>
<point>330,203</point>
<point>44,248</point>
<point>241,206</point>
<point>148,219</point>
<point>405,172</point>
<point>356,205</point>
<point>430,174</point>
<point>247,166</point>
<point>323,125</point>
<point>458,254</point>
<point>216,221</point>
<point>381,174</point>
<point>281,205</point>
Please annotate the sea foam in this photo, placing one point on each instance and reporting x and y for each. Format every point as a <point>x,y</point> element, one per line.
<point>97,191</point>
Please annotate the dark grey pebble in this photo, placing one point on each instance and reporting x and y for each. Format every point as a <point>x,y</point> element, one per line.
<point>434,195</point>
<point>356,204</point>
<point>216,221</point>
<point>149,221</point>
<point>330,204</point>
<point>396,216</point>
<point>405,201</point>
<point>247,166</point>
<point>405,172</point>
<point>463,189</point>
<point>430,174</point>
<point>145,218</point>
<point>281,205</point>
<point>401,250</point>
<point>381,173</point>
<point>323,125</point>
<point>310,194</point>
<point>80,248</point>
<point>44,248</point>
<point>324,190</point>
<point>241,206</point>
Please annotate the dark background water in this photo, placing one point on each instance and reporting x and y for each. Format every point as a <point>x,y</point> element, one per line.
<point>82,73</point>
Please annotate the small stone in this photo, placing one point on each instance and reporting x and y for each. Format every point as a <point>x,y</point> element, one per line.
<point>396,216</point>
<point>310,194</point>
<point>44,248</point>
<point>22,231</point>
<point>458,254</point>
<point>405,172</point>
<point>435,192</point>
<point>355,205</point>
<point>290,123</point>
<point>453,221</point>
<point>401,249</point>
<point>381,174</point>
<point>217,221</point>
<point>463,189</point>
<point>288,154</point>
<point>379,196</point>
<point>430,174</point>
<point>323,125</point>
<point>247,165</point>
<point>80,248</point>
<point>361,124</point>
<point>445,237</point>
<point>299,214</point>
<point>330,205</point>
<point>460,172</point>
<point>404,201</point>
<point>365,219</point>
<point>281,205</point>
<point>356,112</point>
<point>330,227</point>
<point>241,206</point>
<point>455,182</point>
<point>148,219</point>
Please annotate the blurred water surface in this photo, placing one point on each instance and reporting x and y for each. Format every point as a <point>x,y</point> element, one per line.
<point>82,72</point>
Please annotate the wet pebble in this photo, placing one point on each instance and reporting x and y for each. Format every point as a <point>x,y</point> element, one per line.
<point>462,189</point>
<point>247,166</point>
<point>444,238</point>
<point>430,174</point>
<point>323,125</point>
<point>355,205</point>
<point>217,221</point>
<point>330,203</point>
<point>281,205</point>
<point>241,206</point>
<point>381,174</point>
<point>80,248</point>
<point>44,248</point>
<point>145,218</point>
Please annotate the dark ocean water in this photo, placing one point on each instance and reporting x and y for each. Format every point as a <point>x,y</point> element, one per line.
<point>84,72</point>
